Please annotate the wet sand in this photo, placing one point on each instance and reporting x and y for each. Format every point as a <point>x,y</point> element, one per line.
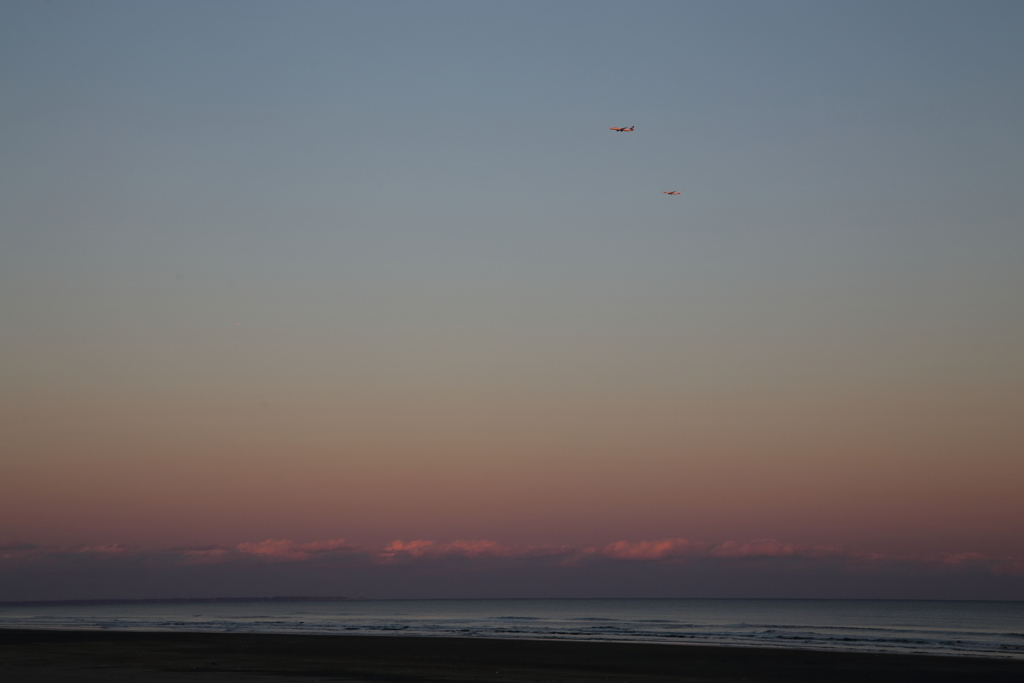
<point>118,657</point>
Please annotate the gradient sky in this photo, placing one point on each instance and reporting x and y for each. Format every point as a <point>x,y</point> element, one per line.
<point>298,272</point>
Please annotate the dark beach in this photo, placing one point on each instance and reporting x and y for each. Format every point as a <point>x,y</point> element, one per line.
<point>44,656</point>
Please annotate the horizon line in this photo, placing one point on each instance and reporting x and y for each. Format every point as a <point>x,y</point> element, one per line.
<point>360,598</point>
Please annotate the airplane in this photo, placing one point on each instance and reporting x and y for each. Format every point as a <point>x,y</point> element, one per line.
<point>623,130</point>
<point>664,192</point>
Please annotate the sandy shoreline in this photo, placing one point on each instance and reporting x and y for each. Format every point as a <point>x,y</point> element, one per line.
<point>115,657</point>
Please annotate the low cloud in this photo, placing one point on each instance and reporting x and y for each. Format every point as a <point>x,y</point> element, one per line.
<point>290,550</point>
<point>645,550</point>
<point>665,550</point>
<point>769,547</point>
<point>112,549</point>
<point>479,549</point>
<point>273,550</point>
<point>667,567</point>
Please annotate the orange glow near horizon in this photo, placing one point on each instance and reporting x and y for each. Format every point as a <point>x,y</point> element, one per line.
<point>586,471</point>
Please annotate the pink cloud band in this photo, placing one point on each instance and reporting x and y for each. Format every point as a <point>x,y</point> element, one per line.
<point>667,550</point>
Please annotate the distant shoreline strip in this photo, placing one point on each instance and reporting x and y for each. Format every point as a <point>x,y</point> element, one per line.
<point>148,601</point>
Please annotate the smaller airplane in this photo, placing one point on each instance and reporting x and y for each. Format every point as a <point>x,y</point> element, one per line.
<point>664,192</point>
<point>624,130</point>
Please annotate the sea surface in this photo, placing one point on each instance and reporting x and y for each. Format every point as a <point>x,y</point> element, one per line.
<point>961,628</point>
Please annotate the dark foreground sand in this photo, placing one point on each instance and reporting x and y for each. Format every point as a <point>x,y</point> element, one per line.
<point>116,657</point>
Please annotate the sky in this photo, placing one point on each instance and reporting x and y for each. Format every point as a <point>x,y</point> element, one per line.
<point>366,298</point>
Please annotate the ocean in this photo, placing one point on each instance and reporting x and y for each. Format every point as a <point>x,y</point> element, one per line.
<point>961,628</point>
